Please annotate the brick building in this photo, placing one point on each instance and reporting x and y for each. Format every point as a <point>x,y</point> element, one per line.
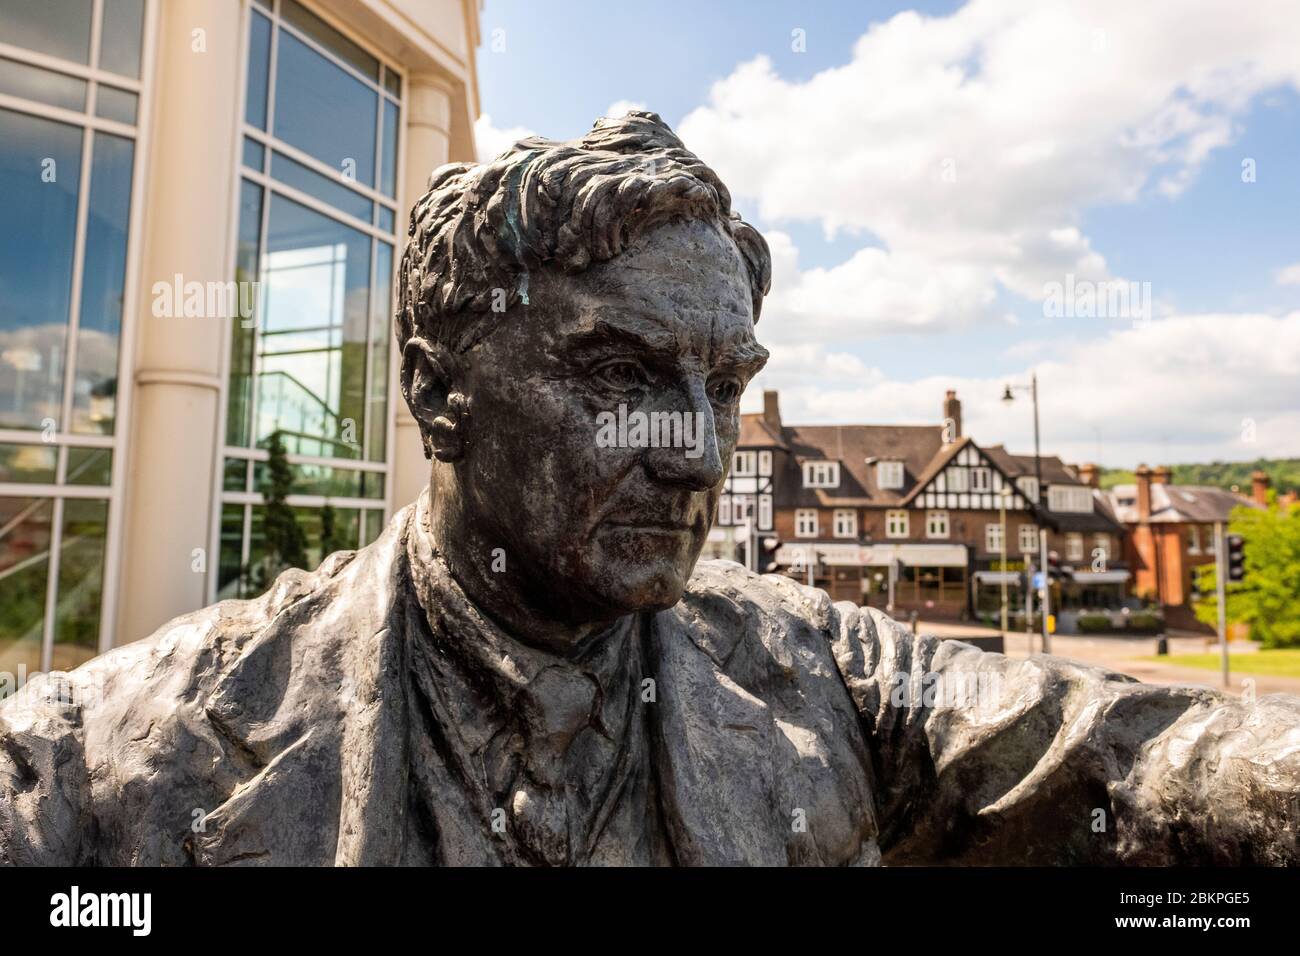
<point>1171,533</point>
<point>843,503</point>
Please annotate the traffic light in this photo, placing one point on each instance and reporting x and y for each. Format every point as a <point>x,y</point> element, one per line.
<point>1236,557</point>
<point>767,545</point>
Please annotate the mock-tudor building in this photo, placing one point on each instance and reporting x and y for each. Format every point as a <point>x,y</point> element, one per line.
<point>1171,533</point>
<point>844,502</point>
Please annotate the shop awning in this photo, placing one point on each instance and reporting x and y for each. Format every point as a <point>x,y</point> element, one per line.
<point>1101,577</point>
<point>872,555</point>
<point>997,577</point>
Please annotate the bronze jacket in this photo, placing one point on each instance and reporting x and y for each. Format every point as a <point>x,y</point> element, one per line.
<point>368,713</point>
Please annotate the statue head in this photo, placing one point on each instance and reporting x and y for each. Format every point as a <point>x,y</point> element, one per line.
<point>576,325</point>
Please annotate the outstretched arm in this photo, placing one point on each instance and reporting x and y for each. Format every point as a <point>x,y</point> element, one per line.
<point>984,759</point>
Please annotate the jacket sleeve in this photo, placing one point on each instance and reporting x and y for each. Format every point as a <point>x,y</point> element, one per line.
<point>980,758</point>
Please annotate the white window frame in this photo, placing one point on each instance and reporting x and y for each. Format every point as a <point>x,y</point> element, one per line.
<point>937,524</point>
<point>744,464</point>
<point>764,463</point>
<point>371,509</point>
<point>1102,540</point>
<point>765,512</point>
<point>63,441</point>
<point>821,474</point>
<point>889,475</point>
<point>1028,538</point>
<point>805,523</point>
<point>845,523</point>
<point>981,479</point>
<point>896,523</point>
<point>1193,539</point>
<point>724,509</point>
<point>958,480</point>
<point>993,538</point>
<point>1028,486</point>
<point>1074,546</point>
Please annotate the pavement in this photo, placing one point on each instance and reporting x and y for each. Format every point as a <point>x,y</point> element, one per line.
<point>1122,653</point>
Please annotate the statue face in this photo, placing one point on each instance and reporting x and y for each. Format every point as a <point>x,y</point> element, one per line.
<point>561,467</point>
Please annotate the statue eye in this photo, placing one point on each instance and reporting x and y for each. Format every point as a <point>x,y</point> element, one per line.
<point>725,391</point>
<point>621,375</point>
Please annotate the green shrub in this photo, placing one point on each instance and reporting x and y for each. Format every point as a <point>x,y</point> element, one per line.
<point>1094,623</point>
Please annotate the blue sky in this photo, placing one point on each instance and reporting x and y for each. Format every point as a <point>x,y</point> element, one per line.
<point>1103,140</point>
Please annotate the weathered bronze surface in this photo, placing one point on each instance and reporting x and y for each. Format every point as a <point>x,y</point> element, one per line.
<point>529,667</point>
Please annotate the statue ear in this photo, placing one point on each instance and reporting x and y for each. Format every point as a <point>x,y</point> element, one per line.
<point>441,411</point>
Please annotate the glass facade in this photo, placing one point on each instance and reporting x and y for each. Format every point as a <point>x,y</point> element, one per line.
<point>316,239</point>
<point>69,98</point>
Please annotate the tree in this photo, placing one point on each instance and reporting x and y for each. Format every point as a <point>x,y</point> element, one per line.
<point>1269,597</point>
<point>285,543</point>
<point>328,541</point>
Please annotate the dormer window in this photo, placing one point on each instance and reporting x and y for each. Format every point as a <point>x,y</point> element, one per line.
<point>1028,486</point>
<point>821,474</point>
<point>889,475</point>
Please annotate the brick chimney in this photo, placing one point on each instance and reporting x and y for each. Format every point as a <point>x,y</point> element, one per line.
<point>1143,475</point>
<point>1162,475</point>
<point>1259,488</point>
<point>772,411</point>
<point>1090,474</point>
<point>952,410</point>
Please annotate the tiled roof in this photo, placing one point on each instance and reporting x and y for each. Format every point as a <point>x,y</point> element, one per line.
<point>1055,471</point>
<point>1178,503</point>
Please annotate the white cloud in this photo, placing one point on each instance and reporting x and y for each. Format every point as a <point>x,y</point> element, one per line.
<point>622,107</point>
<point>1176,389</point>
<point>971,144</point>
<point>1289,275</point>
<point>491,141</point>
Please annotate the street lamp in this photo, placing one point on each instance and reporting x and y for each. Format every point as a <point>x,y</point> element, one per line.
<point>1002,546</point>
<point>1008,397</point>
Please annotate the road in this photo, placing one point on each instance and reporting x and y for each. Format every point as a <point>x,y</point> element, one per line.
<point>1121,654</point>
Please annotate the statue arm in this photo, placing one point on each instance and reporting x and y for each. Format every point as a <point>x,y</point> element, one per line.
<point>984,759</point>
<point>44,785</point>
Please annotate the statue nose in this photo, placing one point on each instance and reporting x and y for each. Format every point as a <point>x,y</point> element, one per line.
<point>694,462</point>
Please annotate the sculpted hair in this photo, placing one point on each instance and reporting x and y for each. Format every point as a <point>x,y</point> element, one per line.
<point>481,229</point>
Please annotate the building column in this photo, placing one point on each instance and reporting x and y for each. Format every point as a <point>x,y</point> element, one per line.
<point>428,143</point>
<point>174,445</point>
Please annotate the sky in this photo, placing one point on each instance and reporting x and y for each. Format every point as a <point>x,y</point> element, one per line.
<point>945,186</point>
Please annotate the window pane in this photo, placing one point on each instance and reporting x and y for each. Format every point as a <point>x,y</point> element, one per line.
<point>58,27</point>
<point>312,338</point>
<point>40,167</point>
<point>388,171</point>
<point>259,69</point>
<point>43,86</point>
<point>119,45</point>
<point>392,83</point>
<point>89,466</point>
<point>28,464</point>
<point>380,336</point>
<point>240,398</point>
<point>102,285</point>
<point>235,475</point>
<point>114,104</point>
<point>81,580</point>
<point>338,529</point>
<point>229,570</point>
<point>387,220</point>
<point>324,34</point>
<point>308,88</point>
<point>327,190</point>
<point>24,566</point>
<point>254,154</point>
<point>312,479</point>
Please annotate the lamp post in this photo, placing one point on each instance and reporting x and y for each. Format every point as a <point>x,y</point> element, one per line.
<point>1008,397</point>
<point>1003,495</point>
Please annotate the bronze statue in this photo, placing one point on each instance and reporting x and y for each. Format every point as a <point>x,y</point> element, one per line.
<point>529,667</point>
